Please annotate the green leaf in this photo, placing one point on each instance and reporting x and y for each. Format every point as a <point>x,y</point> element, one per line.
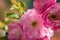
<point>12,15</point>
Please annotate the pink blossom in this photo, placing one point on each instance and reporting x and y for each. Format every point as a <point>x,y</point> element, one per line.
<point>13,25</point>
<point>30,27</point>
<point>42,5</point>
<point>14,34</point>
<point>33,27</point>
<point>52,16</point>
<point>15,31</point>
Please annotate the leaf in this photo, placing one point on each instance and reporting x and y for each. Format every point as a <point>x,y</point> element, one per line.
<point>12,15</point>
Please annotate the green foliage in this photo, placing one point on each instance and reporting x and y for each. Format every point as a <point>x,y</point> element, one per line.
<point>12,15</point>
<point>18,6</point>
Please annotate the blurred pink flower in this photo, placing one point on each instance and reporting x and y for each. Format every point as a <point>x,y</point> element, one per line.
<point>33,27</point>
<point>42,5</point>
<point>14,34</point>
<point>30,27</point>
<point>13,25</point>
<point>52,16</point>
<point>15,31</point>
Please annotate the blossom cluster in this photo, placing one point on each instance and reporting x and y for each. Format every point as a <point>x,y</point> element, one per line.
<point>38,23</point>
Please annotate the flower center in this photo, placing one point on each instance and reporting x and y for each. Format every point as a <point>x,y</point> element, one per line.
<point>34,23</point>
<point>53,16</point>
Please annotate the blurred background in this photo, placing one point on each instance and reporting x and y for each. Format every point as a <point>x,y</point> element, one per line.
<point>6,4</point>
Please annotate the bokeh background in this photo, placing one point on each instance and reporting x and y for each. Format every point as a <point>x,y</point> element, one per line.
<point>5,5</point>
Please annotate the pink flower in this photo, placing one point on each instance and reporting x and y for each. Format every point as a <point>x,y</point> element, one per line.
<point>33,27</point>
<point>14,34</point>
<point>15,31</point>
<point>13,25</point>
<point>42,5</point>
<point>52,16</point>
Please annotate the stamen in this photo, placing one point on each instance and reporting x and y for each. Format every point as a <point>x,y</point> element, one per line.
<point>34,23</point>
